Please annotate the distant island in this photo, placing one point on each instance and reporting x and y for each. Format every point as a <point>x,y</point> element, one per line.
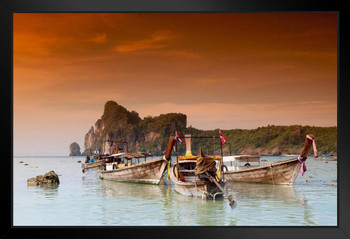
<point>125,129</point>
<point>74,149</point>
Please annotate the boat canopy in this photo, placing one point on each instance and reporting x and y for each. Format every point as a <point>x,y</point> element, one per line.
<point>242,158</point>
<point>195,157</point>
<point>115,155</point>
<point>131,155</point>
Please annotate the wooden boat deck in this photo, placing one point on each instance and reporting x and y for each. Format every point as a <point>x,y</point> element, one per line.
<point>150,171</point>
<point>280,172</point>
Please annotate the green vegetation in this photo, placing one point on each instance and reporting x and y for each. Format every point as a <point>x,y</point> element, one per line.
<point>272,140</point>
<point>151,134</point>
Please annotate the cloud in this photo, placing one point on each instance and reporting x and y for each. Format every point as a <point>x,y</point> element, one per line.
<point>184,54</point>
<point>32,44</point>
<point>207,81</point>
<point>99,38</point>
<point>156,41</point>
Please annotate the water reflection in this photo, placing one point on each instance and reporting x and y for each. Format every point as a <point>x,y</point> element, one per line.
<point>277,198</point>
<point>284,193</point>
<point>190,211</point>
<point>130,200</point>
<point>307,212</point>
<point>124,189</point>
<point>48,191</point>
<point>173,208</point>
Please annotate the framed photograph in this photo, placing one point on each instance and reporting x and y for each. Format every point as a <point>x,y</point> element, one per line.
<point>196,119</point>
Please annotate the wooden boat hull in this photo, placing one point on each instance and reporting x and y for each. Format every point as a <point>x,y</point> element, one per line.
<point>196,189</point>
<point>150,171</point>
<point>281,172</point>
<point>91,165</point>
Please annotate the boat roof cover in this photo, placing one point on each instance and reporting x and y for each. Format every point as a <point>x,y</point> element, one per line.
<point>195,157</point>
<point>205,163</point>
<point>245,158</point>
<point>131,155</point>
<point>116,155</point>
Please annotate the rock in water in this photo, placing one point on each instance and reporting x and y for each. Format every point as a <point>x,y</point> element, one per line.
<point>74,149</point>
<point>50,178</point>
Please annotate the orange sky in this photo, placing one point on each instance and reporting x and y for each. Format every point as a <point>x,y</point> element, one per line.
<point>222,70</point>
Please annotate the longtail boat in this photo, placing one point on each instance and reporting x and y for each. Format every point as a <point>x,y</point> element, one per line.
<point>280,172</point>
<point>150,171</point>
<point>326,157</point>
<point>95,162</point>
<point>194,175</point>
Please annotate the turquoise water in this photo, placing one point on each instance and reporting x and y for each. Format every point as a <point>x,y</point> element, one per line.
<point>85,200</point>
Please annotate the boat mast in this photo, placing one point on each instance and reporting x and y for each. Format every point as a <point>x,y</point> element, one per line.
<point>188,145</point>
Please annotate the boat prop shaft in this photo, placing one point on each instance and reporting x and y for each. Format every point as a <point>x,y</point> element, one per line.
<point>230,198</point>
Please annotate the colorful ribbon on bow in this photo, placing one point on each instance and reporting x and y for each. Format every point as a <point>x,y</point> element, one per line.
<point>300,158</point>
<point>303,166</point>
<point>168,170</point>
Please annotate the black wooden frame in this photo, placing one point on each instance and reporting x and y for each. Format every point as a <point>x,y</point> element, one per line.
<point>342,8</point>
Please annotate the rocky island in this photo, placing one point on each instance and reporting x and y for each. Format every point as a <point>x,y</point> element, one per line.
<point>119,126</point>
<point>74,149</point>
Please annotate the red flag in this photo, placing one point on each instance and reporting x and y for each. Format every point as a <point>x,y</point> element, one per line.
<point>177,137</point>
<point>222,138</point>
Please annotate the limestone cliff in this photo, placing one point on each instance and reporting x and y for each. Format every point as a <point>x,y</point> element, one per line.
<point>130,131</point>
<point>151,134</point>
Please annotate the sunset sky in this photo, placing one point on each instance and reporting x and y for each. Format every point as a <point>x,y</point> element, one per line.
<point>223,71</point>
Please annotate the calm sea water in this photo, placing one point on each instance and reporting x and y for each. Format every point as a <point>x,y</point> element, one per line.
<point>85,200</point>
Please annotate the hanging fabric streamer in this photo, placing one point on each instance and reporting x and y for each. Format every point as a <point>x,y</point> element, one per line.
<point>310,139</point>
<point>168,170</point>
<point>303,166</point>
